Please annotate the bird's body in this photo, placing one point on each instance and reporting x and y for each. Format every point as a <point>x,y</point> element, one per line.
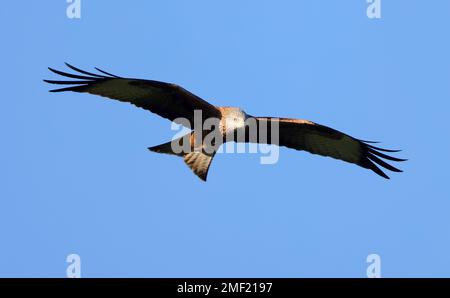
<point>212,126</point>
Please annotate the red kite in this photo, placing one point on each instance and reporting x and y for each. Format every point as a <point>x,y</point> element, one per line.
<point>174,103</point>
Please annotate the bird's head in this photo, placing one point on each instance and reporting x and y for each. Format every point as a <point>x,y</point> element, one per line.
<point>234,118</point>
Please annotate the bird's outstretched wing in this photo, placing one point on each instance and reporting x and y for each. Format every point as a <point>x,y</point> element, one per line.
<point>167,100</point>
<point>318,139</point>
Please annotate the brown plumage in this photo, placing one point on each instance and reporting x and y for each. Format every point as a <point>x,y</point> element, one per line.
<point>175,103</point>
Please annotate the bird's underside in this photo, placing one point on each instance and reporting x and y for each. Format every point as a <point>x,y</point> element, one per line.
<point>181,106</point>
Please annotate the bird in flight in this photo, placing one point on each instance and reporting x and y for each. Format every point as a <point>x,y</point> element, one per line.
<point>183,107</point>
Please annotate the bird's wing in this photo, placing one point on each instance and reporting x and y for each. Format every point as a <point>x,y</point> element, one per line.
<point>318,139</point>
<point>167,100</point>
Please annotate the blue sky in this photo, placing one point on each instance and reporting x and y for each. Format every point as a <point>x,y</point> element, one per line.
<point>76,176</point>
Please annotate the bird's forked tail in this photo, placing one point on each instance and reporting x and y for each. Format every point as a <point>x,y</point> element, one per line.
<point>198,161</point>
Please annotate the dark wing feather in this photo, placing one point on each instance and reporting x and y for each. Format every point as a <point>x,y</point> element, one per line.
<point>318,139</point>
<point>167,100</point>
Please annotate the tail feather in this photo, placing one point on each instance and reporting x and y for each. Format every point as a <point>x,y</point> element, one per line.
<point>166,148</point>
<point>197,161</point>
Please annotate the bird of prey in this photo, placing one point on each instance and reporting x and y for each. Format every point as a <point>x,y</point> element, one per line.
<point>174,103</point>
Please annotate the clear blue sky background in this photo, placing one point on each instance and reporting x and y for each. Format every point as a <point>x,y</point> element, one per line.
<point>76,176</point>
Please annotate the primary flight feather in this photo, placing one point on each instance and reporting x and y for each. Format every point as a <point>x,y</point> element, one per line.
<point>181,106</point>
